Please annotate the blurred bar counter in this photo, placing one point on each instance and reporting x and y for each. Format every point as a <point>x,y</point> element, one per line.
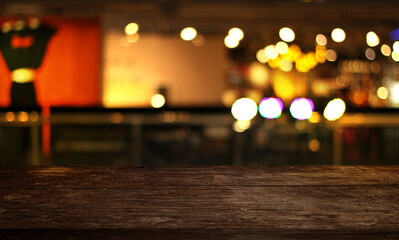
<point>194,136</point>
<point>215,202</point>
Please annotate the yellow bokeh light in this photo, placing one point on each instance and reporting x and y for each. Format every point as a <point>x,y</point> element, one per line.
<point>372,39</point>
<point>283,86</point>
<point>321,40</point>
<point>231,42</point>
<point>131,28</point>
<point>338,35</point>
<point>282,47</point>
<point>241,126</point>
<point>395,47</point>
<point>158,101</point>
<point>314,118</point>
<point>287,34</point>
<point>271,52</point>
<point>395,56</point>
<point>188,33</point>
<point>236,33</point>
<point>244,109</point>
<point>285,65</point>
<point>382,93</point>
<point>258,74</point>
<point>261,56</point>
<point>385,50</point>
<point>334,109</point>
<point>34,116</point>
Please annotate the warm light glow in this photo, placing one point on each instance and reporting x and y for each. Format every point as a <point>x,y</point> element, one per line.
<point>258,74</point>
<point>321,40</point>
<point>231,42</point>
<point>133,38</point>
<point>283,86</point>
<point>382,93</point>
<point>229,97</point>
<point>157,101</point>
<point>285,65</point>
<point>385,50</point>
<point>287,34</point>
<point>301,108</point>
<point>314,145</point>
<point>314,118</point>
<point>236,33</point>
<point>370,54</point>
<point>271,108</point>
<point>271,52</point>
<point>23,116</point>
<point>131,28</point>
<point>244,109</point>
<point>334,109</point>
<point>394,93</point>
<point>372,39</point>
<point>261,56</point>
<point>396,47</point>
<point>331,55</point>
<point>188,33</point>
<point>241,126</point>
<point>395,56</point>
<point>338,35</point>
<point>10,116</point>
<point>282,47</point>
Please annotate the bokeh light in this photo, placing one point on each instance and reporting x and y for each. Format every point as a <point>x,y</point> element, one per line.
<point>382,93</point>
<point>236,33</point>
<point>370,54</point>
<point>131,28</point>
<point>338,35</point>
<point>285,65</point>
<point>385,50</point>
<point>331,55</point>
<point>301,108</point>
<point>188,33</point>
<point>283,86</point>
<point>261,56</point>
<point>334,109</point>
<point>244,109</point>
<point>314,145</point>
<point>258,74</point>
<point>271,52</point>
<point>10,116</point>
<point>287,34</point>
<point>158,101</point>
<point>315,118</point>
<point>395,46</point>
<point>282,47</point>
<point>271,108</point>
<point>372,39</point>
<point>231,42</point>
<point>241,126</point>
<point>321,40</point>
<point>395,56</point>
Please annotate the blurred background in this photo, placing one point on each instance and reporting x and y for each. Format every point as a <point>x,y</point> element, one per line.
<point>190,82</point>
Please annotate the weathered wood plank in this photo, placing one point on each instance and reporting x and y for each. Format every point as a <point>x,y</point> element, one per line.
<point>292,201</point>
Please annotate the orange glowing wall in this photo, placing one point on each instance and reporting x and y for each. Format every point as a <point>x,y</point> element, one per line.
<point>70,72</point>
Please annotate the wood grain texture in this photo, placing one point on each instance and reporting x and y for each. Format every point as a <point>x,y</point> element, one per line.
<point>205,202</point>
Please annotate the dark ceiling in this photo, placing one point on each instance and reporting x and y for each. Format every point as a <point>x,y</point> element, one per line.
<point>260,20</point>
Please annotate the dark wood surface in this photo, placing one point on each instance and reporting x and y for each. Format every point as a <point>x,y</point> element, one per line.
<point>321,202</point>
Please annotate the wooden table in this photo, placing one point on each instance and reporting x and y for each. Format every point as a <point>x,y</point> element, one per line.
<point>321,202</point>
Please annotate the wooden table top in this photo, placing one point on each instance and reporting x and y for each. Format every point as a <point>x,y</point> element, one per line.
<point>221,202</point>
